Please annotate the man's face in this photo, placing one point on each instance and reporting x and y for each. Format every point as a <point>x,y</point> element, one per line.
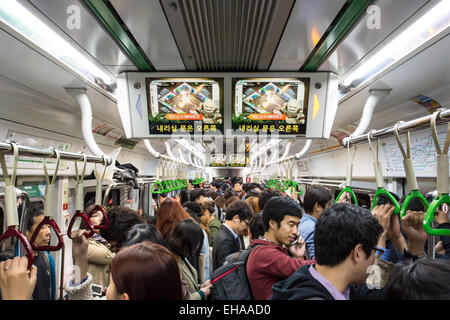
<point>43,237</point>
<point>242,227</point>
<point>201,199</point>
<point>288,230</point>
<point>237,187</point>
<point>363,266</point>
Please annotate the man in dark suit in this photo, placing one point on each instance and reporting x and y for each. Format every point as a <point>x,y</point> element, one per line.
<point>227,240</point>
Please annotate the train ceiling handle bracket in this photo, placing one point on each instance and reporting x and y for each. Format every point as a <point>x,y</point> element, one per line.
<point>98,197</point>
<point>442,177</point>
<point>12,216</point>
<point>49,209</point>
<point>79,215</point>
<point>348,181</point>
<point>411,179</point>
<point>379,178</point>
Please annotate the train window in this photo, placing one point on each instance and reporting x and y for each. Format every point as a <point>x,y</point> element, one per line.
<point>113,198</point>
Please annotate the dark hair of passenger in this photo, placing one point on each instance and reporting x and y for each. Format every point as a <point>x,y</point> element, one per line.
<point>121,219</point>
<point>414,205</point>
<point>143,232</point>
<point>252,186</point>
<point>265,195</point>
<point>186,239</point>
<point>423,279</point>
<point>228,194</point>
<point>340,228</point>
<point>220,202</point>
<point>36,210</point>
<point>169,215</point>
<point>240,208</point>
<point>192,214</point>
<point>196,193</point>
<point>207,205</point>
<point>277,207</point>
<point>230,201</point>
<point>194,206</point>
<point>315,195</point>
<point>256,226</point>
<point>147,271</point>
<point>224,187</point>
<point>212,194</point>
<point>383,199</point>
<point>184,196</point>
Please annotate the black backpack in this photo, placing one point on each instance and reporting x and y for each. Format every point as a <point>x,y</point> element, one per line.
<point>230,281</point>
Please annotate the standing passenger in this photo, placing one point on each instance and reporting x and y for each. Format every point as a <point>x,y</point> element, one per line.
<point>227,240</point>
<point>99,252</point>
<point>345,241</point>
<point>269,261</point>
<point>186,240</point>
<point>316,200</point>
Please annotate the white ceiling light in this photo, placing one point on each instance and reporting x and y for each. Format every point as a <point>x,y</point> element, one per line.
<point>36,31</point>
<point>432,23</point>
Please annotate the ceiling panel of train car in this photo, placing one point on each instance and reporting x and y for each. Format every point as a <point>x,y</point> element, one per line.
<point>424,75</point>
<point>361,40</point>
<point>307,24</point>
<point>89,34</point>
<point>224,35</point>
<point>32,70</point>
<point>146,21</point>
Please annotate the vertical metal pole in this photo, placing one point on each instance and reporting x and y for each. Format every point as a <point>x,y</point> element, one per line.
<point>61,280</point>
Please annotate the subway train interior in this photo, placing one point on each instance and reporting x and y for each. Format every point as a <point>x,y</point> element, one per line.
<point>123,103</point>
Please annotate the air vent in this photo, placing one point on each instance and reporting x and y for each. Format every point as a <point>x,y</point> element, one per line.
<point>227,35</point>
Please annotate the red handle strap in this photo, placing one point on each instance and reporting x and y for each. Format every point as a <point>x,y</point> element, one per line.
<point>105,217</point>
<point>13,232</point>
<point>47,221</point>
<point>89,225</point>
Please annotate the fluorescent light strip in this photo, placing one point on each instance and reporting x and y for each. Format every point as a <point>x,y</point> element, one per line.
<point>424,29</point>
<point>31,27</point>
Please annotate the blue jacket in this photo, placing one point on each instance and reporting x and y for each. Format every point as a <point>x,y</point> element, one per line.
<point>307,228</point>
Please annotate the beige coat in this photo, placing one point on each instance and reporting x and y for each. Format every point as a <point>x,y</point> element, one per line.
<point>99,262</point>
<point>190,276</point>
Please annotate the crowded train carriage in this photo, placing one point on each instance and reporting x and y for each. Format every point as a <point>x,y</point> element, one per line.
<point>220,150</point>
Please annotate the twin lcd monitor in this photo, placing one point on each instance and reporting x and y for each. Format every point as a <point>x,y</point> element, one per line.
<point>286,104</point>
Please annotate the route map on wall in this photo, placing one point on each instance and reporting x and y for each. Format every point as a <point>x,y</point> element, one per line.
<point>423,153</point>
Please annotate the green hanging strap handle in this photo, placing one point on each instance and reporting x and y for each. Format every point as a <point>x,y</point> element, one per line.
<point>411,179</point>
<point>159,188</point>
<point>348,181</point>
<point>379,179</point>
<point>442,181</point>
<point>296,187</point>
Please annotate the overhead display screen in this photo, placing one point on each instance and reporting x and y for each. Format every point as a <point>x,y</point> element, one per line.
<point>219,160</point>
<point>270,105</point>
<point>185,106</point>
<point>237,160</point>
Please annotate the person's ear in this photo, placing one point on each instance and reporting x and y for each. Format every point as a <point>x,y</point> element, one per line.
<point>124,296</point>
<point>356,254</point>
<point>273,224</point>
